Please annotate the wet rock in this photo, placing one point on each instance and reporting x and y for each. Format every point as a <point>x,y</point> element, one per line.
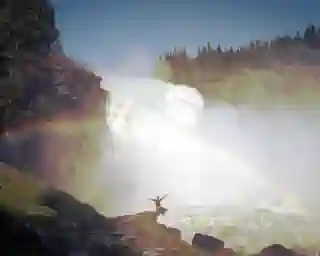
<point>276,250</point>
<point>17,238</point>
<point>207,243</point>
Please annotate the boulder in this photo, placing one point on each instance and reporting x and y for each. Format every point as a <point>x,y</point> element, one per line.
<point>276,250</point>
<point>207,243</point>
<point>17,238</point>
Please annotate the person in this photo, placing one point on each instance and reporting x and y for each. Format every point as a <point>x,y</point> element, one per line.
<point>157,201</point>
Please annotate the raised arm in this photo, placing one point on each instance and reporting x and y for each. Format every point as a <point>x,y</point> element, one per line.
<point>163,197</point>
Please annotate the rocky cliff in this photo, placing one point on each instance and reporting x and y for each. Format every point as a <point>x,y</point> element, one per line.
<point>52,109</point>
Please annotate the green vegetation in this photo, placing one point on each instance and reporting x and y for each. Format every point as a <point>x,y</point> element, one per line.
<point>21,193</point>
<point>281,71</point>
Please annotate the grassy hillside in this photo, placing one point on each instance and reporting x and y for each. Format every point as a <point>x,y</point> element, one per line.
<point>21,193</point>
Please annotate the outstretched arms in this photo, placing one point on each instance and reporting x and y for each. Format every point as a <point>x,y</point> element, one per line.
<point>163,197</point>
<point>158,199</point>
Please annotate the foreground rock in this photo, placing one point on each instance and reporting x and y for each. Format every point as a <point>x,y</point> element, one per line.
<point>52,109</point>
<point>59,224</point>
<point>276,250</point>
<point>38,220</point>
<point>16,237</point>
<point>207,243</point>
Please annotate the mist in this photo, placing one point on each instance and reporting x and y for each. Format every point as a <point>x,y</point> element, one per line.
<point>135,61</point>
<point>287,145</point>
<point>277,146</point>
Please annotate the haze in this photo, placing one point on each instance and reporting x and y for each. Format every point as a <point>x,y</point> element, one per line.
<point>271,158</point>
<point>280,145</point>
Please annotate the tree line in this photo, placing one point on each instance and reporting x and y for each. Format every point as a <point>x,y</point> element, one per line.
<point>266,70</point>
<point>310,38</point>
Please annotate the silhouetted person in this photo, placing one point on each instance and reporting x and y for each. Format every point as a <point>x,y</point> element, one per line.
<point>157,201</point>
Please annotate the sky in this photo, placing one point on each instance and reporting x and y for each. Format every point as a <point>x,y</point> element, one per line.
<point>127,36</point>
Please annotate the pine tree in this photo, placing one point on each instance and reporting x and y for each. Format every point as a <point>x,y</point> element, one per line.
<point>184,52</point>
<point>175,50</point>
<point>252,45</point>
<point>219,49</point>
<point>198,51</point>
<point>204,50</point>
<point>298,36</point>
<point>310,35</point>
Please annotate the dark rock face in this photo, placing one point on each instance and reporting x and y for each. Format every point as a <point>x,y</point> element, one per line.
<point>16,237</point>
<point>27,26</point>
<point>73,211</point>
<point>207,243</point>
<point>40,85</point>
<point>175,232</point>
<point>77,227</point>
<point>27,33</point>
<point>276,250</point>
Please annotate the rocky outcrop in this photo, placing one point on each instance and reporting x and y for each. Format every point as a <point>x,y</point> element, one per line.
<point>17,238</point>
<point>30,209</point>
<point>55,223</point>
<point>144,233</point>
<point>52,110</point>
<point>27,31</point>
<point>73,226</point>
<point>276,250</point>
<point>207,243</point>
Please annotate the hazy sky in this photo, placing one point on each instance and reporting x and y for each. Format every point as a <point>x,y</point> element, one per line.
<point>128,34</point>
